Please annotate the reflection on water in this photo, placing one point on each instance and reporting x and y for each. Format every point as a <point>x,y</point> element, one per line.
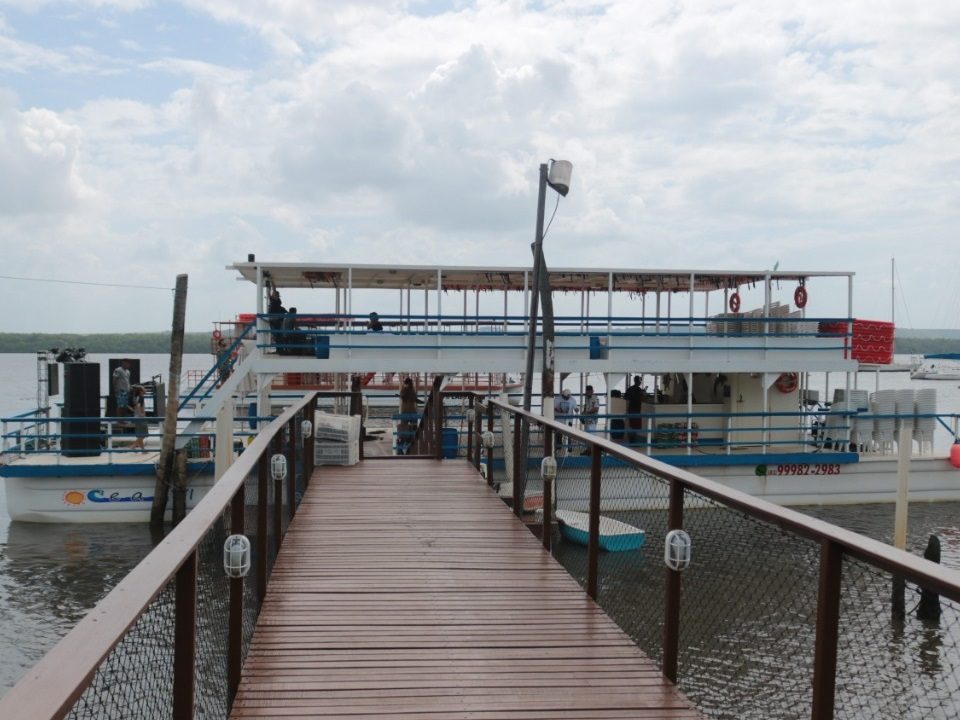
<point>50,576</point>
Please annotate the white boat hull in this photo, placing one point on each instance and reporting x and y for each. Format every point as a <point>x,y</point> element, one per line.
<point>872,480</point>
<point>94,499</point>
<point>93,489</point>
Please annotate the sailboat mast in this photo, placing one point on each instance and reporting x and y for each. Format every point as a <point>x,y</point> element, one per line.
<point>893,287</point>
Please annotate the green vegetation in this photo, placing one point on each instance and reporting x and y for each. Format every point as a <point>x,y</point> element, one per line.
<point>926,346</point>
<point>133,343</point>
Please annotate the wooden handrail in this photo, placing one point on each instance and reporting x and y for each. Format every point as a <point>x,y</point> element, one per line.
<point>922,572</point>
<point>52,686</point>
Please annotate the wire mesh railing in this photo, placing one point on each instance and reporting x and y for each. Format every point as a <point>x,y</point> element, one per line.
<point>171,637</point>
<point>778,615</point>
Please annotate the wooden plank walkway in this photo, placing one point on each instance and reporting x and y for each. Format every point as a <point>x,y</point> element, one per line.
<point>407,589</point>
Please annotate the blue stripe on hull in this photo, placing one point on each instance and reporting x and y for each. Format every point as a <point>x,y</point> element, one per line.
<point>711,460</point>
<point>74,471</point>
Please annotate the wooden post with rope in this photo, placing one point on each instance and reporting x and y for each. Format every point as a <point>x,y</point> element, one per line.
<point>168,463</point>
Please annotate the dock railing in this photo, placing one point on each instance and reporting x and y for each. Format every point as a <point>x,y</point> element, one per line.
<point>778,615</point>
<point>170,638</point>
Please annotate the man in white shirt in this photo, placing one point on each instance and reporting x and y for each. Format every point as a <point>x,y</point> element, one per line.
<point>563,404</point>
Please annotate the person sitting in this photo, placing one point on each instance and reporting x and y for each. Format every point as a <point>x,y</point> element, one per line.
<point>276,311</point>
<point>289,338</point>
<point>374,324</point>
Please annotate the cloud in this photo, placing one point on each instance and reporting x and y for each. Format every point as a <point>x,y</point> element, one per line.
<point>38,157</point>
<point>714,134</point>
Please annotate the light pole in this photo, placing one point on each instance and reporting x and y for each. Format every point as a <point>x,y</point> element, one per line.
<point>556,175</point>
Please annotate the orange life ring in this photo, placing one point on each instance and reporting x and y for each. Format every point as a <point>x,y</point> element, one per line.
<point>787,382</point>
<point>217,335</point>
<point>735,302</point>
<point>800,296</point>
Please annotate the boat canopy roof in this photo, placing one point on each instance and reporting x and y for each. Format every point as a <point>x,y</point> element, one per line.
<point>309,275</point>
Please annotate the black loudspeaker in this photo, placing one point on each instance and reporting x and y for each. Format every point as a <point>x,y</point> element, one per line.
<point>113,364</point>
<point>53,379</point>
<point>81,399</point>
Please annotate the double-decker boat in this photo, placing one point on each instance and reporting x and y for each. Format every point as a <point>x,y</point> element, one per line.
<point>740,382</point>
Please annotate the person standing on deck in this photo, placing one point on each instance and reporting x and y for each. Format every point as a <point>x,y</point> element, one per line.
<point>563,405</point>
<point>138,410</point>
<point>408,415</point>
<point>589,410</point>
<point>634,398</point>
<point>120,384</point>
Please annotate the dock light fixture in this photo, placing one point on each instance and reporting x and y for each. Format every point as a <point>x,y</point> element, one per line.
<point>488,440</point>
<point>548,468</point>
<point>676,550</point>
<point>557,175</point>
<point>278,467</point>
<point>236,556</point>
<point>306,429</point>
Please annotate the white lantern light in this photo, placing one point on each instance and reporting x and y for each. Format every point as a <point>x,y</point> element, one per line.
<point>236,556</point>
<point>548,468</point>
<point>306,428</point>
<point>488,439</point>
<point>558,176</point>
<point>278,467</point>
<point>676,550</point>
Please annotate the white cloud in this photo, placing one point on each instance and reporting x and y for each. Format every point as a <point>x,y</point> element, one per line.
<point>824,136</point>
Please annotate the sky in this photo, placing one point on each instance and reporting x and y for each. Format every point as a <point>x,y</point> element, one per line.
<point>141,139</point>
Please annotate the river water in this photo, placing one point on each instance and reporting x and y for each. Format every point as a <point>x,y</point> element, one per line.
<point>51,575</point>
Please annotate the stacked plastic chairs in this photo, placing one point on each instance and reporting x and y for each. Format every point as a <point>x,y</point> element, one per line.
<point>883,406</point>
<point>923,427</point>
<point>861,428</point>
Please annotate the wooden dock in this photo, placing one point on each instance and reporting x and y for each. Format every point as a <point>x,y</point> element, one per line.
<point>407,589</point>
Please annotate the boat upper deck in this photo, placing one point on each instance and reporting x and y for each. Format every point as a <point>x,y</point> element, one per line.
<point>658,320</point>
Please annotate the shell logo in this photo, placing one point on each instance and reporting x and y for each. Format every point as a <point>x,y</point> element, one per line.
<point>74,497</point>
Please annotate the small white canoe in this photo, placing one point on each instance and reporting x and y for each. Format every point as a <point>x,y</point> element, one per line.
<point>615,536</point>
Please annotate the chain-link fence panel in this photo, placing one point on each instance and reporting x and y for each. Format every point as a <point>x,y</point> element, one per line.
<point>748,615</point>
<point>212,631</point>
<point>136,678</point>
<point>893,665</point>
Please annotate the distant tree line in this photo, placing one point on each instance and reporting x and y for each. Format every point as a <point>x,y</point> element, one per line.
<point>927,346</point>
<point>133,343</point>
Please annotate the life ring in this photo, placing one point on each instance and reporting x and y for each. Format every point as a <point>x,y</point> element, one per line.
<point>800,296</point>
<point>217,335</point>
<point>787,382</point>
<point>735,302</point>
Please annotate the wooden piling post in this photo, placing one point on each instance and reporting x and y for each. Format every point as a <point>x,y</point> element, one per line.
<point>165,467</point>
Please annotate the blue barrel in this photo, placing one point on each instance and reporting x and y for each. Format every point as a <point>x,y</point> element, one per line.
<point>321,348</point>
<point>451,438</point>
<point>598,347</point>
